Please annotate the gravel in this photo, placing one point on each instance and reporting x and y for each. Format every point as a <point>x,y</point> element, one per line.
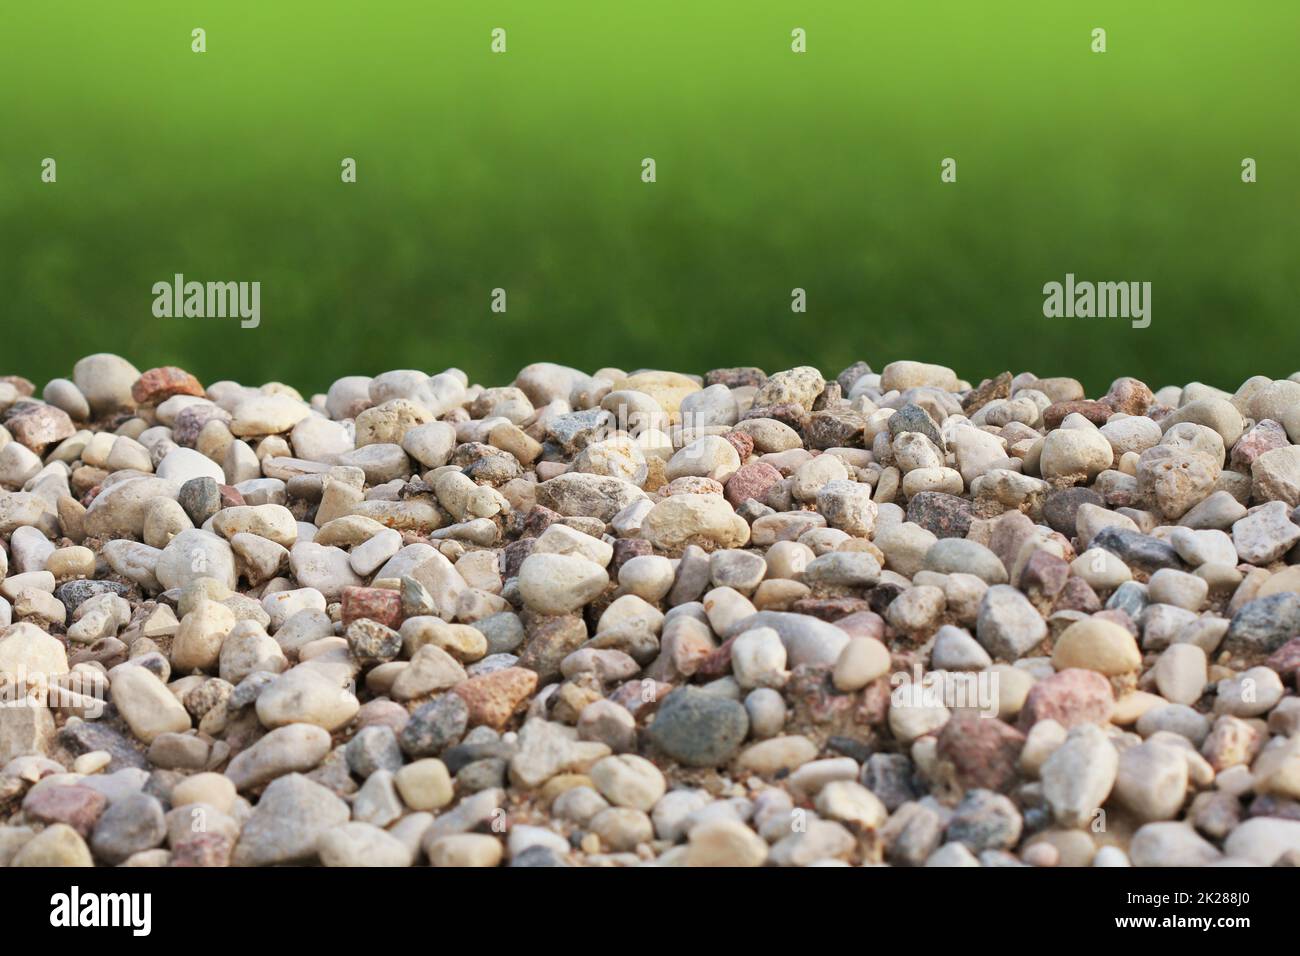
<point>648,618</point>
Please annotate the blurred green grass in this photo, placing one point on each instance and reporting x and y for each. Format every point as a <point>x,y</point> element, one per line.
<point>775,171</point>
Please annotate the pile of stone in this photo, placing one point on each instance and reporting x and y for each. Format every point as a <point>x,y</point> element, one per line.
<point>647,617</point>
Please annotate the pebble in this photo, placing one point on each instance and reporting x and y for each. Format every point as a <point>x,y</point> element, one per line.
<point>130,825</point>
<point>1265,534</point>
<point>958,555</point>
<point>374,748</point>
<point>76,806</point>
<point>786,753</point>
<point>1075,454</point>
<point>1181,673</point>
<point>821,840</point>
<point>758,659</point>
<point>1137,550</point>
<point>146,704</point>
<point>105,381</point>
<point>1097,645</point>
<point>1079,774</point>
<point>559,583</point>
<point>985,820</point>
<point>325,569</point>
<point>1263,840</point>
<point>848,802</point>
<point>1008,626</point>
<point>445,603</point>
<point>181,465</point>
<point>57,845</point>
<point>1251,693</point>
<point>377,801</point>
<point>1152,780</point>
<point>622,828</point>
<point>725,843</point>
<point>288,822</point>
<point>698,729</point>
<point>807,640</point>
<point>309,695</point>
<point>294,748</point>
<point>1071,697</point>
<point>766,710</point>
<point>492,697</point>
<point>862,661</point>
<point>682,520</point>
<point>627,780</point>
<point>1171,844</point>
<point>358,844</point>
<point>435,726</point>
<point>1264,624</point>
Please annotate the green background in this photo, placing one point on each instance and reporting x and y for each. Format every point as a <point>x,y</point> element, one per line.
<point>775,170</point>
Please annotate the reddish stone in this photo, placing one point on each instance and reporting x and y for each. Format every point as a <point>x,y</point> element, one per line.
<point>736,377</point>
<point>39,426</point>
<point>202,849</point>
<point>230,496</point>
<point>987,391</point>
<point>836,427</point>
<point>1130,396</point>
<point>79,807</point>
<point>493,697</point>
<point>787,413</point>
<point>1077,595</point>
<point>1095,412</point>
<point>1286,661</point>
<point>717,664</point>
<point>1008,536</point>
<point>863,624</point>
<point>550,640</point>
<point>1072,697</point>
<point>1044,573</point>
<point>874,707</point>
<point>943,515</point>
<point>640,698</point>
<point>625,549</point>
<point>753,480</point>
<point>1265,436</point>
<point>377,604</point>
<point>813,700</point>
<point>159,384</point>
<point>743,444</point>
<point>538,520</point>
<point>514,554</point>
<point>983,751</point>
